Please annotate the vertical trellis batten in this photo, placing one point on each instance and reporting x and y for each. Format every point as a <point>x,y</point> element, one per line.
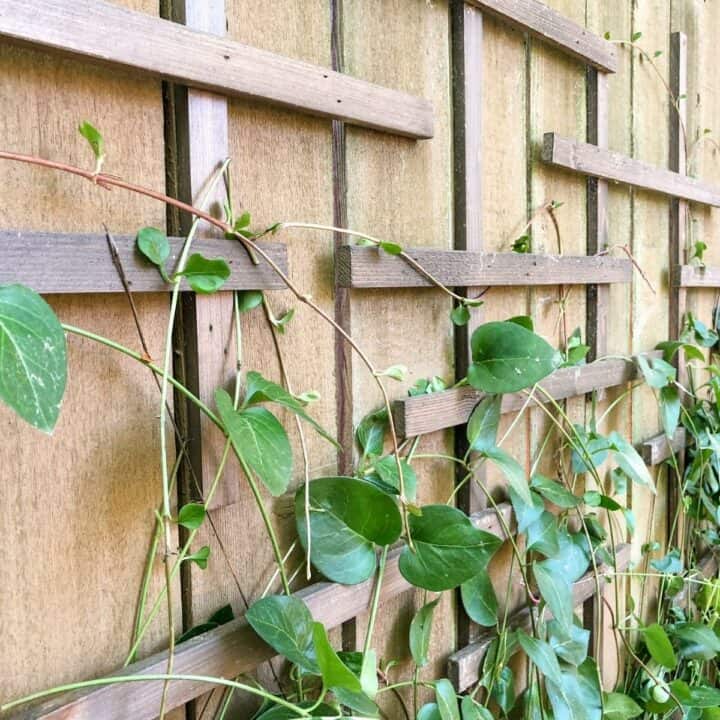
<point>598,296</point>
<point>679,219</point>
<point>467,33</point>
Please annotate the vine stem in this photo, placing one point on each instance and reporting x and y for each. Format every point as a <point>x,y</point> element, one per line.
<point>119,679</point>
<point>107,182</point>
<point>375,601</point>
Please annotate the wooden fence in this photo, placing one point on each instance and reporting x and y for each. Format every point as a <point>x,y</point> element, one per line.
<point>442,126</point>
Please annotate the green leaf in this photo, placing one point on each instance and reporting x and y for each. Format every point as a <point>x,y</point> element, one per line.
<point>347,518</point>
<point>523,321</point>
<point>249,300</point>
<point>472,710</point>
<point>33,357</point>
<point>629,461</point>
<point>283,320</point>
<point>636,36</point>
<point>448,549</point>
<point>589,450</point>
<point>387,470</point>
<point>659,646</point>
<point>542,535</point>
<point>219,617</point>
<point>259,440</point>
<point>657,373</point>
<point>479,599</point>
<point>556,591</point>
<point>396,372</point>
<point>370,433</point>
<point>200,558</point>
<point>526,515</point>
<point>154,245</point>
<point>429,711</point>
<point>279,712</point>
<point>391,248</point>
<point>572,646</point>
<point>670,347</point>
<point>702,697</point>
<point>554,492</point>
<point>420,629</point>
<point>503,692</point>
<point>368,674</point>
<point>670,409</point>
<point>578,696</point>
<point>286,625</point>
<point>572,559</point>
<point>542,655</point>
<point>697,641</point>
<point>512,470</point>
<point>446,700</point>
<point>620,707</point>
<point>205,276</point>
<point>337,677</point>
<point>191,516</point>
<point>460,315</point>
<point>522,245</point>
<point>482,427</point>
<point>94,138</point>
<point>507,358</point>
<point>259,389</point>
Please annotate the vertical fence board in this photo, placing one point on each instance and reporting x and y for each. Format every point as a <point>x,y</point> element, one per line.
<point>78,506</point>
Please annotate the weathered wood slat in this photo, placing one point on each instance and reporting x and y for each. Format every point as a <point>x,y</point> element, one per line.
<point>543,22</point>
<point>105,32</point>
<point>598,162</point>
<point>657,449</point>
<point>228,651</point>
<point>464,665</point>
<point>81,263</point>
<point>370,267</point>
<point>428,413</point>
<point>692,276</point>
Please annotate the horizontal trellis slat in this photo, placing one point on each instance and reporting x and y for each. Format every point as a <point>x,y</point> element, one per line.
<point>427,413</point>
<point>549,25</point>
<point>370,267</point>
<point>657,449</point>
<point>81,263</point>
<point>104,32</point>
<point>464,665</point>
<point>228,651</point>
<point>691,276</point>
<point>607,165</point>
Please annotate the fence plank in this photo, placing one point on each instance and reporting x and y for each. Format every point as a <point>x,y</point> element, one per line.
<point>598,162</point>
<point>657,449</point>
<point>693,276</point>
<point>543,22</point>
<point>464,666</point>
<point>228,651</point>
<point>370,267</point>
<point>427,413</point>
<point>104,32</point>
<point>81,263</point>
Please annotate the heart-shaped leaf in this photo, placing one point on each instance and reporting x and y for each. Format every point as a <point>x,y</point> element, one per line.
<point>479,599</point>
<point>259,440</point>
<point>557,594</point>
<point>659,646</point>
<point>154,245</point>
<point>507,357</point>
<point>554,492</point>
<point>448,549</point>
<point>542,655</point>
<point>286,625</point>
<point>348,517</point>
<point>204,275</point>
<point>512,470</point>
<point>483,424</point>
<point>33,357</point>
<point>446,700</point>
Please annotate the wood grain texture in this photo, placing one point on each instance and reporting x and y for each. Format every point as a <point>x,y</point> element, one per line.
<point>541,21</point>
<point>369,267</point>
<point>695,276</point>
<point>78,507</point>
<point>597,162</point>
<point>230,650</point>
<point>658,448</point>
<point>427,413</point>
<point>81,263</point>
<point>464,665</point>
<point>201,60</point>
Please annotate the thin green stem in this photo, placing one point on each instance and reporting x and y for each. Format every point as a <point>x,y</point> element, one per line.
<point>375,600</point>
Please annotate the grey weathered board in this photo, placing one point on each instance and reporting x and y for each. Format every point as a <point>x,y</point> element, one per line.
<point>598,162</point>
<point>657,449</point>
<point>228,651</point>
<point>464,665</point>
<point>371,267</point>
<point>107,33</point>
<point>81,263</point>
<point>694,276</point>
<point>541,21</point>
<point>427,413</point>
